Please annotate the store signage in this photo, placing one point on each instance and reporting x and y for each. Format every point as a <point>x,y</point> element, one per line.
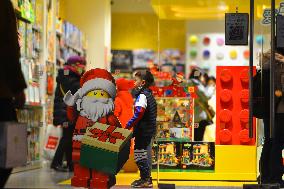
<point>236,28</point>
<point>280,31</point>
<point>267,14</point>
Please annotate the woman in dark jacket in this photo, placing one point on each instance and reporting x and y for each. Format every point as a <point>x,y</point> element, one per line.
<point>67,79</point>
<point>271,162</point>
<point>12,83</point>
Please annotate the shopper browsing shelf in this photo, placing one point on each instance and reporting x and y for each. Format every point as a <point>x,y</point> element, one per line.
<point>12,82</point>
<point>67,79</point>
<point>203,113</point>
<point>144,123</point>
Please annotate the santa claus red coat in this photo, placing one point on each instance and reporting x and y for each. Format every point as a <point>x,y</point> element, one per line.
<point>86,111</point>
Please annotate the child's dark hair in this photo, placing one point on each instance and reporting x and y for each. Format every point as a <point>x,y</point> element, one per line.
<point>147,76</point>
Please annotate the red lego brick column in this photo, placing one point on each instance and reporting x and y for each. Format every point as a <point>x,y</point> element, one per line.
<point>232,106</point>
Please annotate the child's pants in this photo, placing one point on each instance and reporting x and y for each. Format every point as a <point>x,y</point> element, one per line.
<point>143,156</point>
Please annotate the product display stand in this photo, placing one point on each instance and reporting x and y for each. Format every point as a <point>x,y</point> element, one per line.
<point>40,61</point>
<point>175,125</point>
<point>30,23</point>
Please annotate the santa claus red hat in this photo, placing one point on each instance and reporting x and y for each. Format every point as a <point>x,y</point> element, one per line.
<point>98,79</point>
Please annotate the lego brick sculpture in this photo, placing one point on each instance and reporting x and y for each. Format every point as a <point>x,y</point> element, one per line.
<point>91,106</point>
<point>232,126</point>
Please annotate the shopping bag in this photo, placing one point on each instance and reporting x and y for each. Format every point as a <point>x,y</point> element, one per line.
<point>13,144</point>
<point>51,141</point>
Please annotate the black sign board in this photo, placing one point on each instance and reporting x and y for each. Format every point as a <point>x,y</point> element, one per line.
<point>280,31</point>
<point>236,28</point>
<point>122,61</point>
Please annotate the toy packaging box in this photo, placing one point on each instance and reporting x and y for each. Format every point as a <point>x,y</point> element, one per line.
<point>198,156</point>
<point>105,148</point>
<point>183,156</point>
<point>168,153</point>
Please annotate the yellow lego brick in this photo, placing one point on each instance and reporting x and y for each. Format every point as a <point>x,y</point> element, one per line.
<point>106,137</point>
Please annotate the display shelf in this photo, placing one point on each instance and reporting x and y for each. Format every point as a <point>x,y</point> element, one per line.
<point>19,16</point>
<point>30,166</point>
<point>59,34</point>
<point>74,48</point>
<point>33,105</point>
<point>37,29</point>
<point>161,98</point>
<point>32,56</point>
<point>173,140</point>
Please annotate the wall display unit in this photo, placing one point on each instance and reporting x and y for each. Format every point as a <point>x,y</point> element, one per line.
<point>30,23</point>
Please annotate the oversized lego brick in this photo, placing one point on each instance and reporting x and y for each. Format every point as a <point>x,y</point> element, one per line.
<point>106,137</point>
<point>104,160</point>
<point>232,106</point>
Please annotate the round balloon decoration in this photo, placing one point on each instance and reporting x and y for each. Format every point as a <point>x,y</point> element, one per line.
<point>233,54</point>
<point>246,54</point>
<point>193,53</point>
<point>259,39</point>
<point>220,56</point>
<point>193,39</point>
<point>206,41</point>
<point>220,41</point>
<point>206,54</point>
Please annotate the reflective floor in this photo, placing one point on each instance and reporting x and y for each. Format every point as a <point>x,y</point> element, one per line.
<point>47,178</point>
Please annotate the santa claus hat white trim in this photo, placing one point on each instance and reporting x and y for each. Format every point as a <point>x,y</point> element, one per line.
<point>99,83</point>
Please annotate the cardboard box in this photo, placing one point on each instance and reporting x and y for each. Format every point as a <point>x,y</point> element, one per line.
<point>105,148</point>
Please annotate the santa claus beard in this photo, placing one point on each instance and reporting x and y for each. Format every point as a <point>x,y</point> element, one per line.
<point>95,108</point>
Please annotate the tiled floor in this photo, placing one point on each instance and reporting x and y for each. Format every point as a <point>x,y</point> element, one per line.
<point>46,178</point>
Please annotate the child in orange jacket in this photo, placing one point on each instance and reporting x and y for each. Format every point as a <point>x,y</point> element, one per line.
<point>123,110</point>
<point>124,101</point>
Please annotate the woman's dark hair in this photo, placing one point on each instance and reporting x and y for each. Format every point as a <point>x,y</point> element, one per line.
<point>195,74</point>
<point>280,50</point>
<point>8,29</point>
<point>212,78</point>
<point>147,76</point>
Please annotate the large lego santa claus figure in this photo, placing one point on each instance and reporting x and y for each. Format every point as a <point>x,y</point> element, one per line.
<point>93,102</point>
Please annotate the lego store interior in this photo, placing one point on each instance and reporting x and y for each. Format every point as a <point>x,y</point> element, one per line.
<point>204,62</point>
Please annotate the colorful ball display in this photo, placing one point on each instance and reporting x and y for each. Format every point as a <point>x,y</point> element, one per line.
<point>259,39</point>
<point>233,54</point>
<point>220,41</point>
<point>193,39</point>
<point>206,54</point>
<point>193,53</point>
<point>246,54</point>
<point>206,41</point>
<point>220,56</point>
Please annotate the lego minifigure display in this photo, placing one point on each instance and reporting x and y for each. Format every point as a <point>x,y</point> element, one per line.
<point>96,133</point>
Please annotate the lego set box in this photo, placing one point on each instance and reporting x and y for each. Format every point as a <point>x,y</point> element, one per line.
<point>183,156</point>
<point>175,118</point>
<point>106,144</point>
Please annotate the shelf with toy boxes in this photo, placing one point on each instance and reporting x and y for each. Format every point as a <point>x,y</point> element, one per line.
<point>32,116</point>
<point>70,41</point>
<point>30,23</point>
<point>174,149</point>
<point>30,35</point>
<point>174,155</point>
